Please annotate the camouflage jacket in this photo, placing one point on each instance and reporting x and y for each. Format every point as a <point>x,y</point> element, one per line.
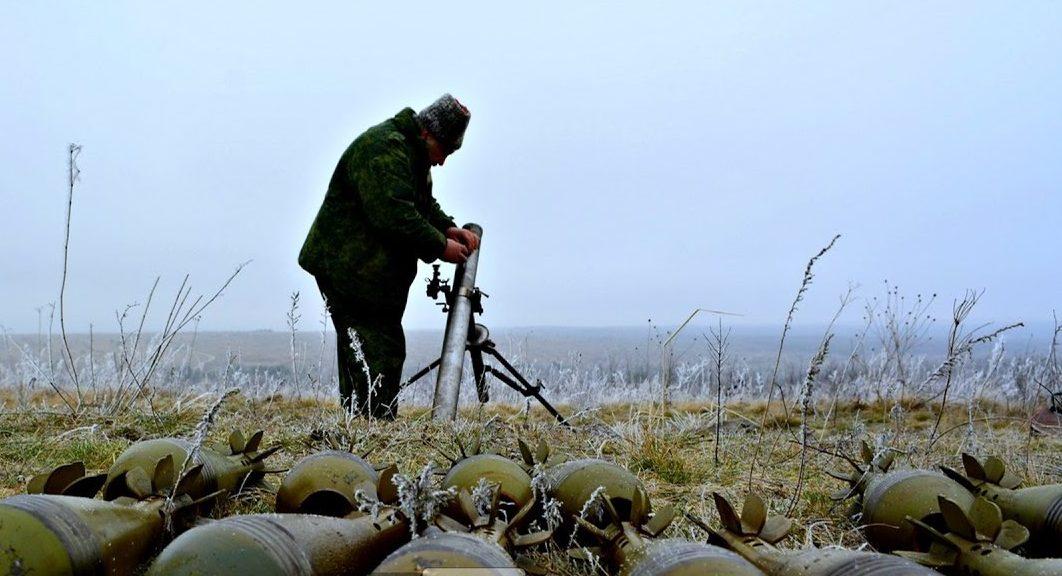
<point>377,218</point>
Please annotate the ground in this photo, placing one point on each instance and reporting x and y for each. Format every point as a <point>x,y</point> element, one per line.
<point>672,450</point>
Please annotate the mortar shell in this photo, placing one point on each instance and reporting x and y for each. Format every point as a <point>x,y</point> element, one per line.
<point>455,552</point>
<point>988,560</point>
<point>326,483</point>
<point>840,562</point>
<point>514,484</point>
<point>572,484</point>
<point>219,472</point>
<point>74,536</point>
<point>890,498</point>
<point>1038,508</point>
<point>281,545</point>
<point>674,557</point>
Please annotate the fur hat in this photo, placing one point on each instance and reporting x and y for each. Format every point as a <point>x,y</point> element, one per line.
<point>446,119</point>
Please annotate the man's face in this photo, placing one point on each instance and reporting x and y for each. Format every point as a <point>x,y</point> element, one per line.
<point>437,153</point>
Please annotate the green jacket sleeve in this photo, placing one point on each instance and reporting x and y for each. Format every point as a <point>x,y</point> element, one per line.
<point>387,190</point>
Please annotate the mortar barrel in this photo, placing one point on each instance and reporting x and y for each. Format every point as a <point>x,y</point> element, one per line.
<point>448,385</point>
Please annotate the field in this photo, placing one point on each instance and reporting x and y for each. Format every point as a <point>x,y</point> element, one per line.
<point>672,450</point>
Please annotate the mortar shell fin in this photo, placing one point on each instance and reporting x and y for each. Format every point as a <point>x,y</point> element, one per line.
<point>522,514</point>
<point>386,490</point>
<point>956,520</point>
<point>958,477</point>
<point>985,517</point>
<point>532,539</point>
<point>237,442</point>
<point>753,514</point>
<point>866,452</point>
<point>592,529</point>
<point>188,480</point>
<point>163,477</point>
<point>943,552</point>
<point>468,506</point>
<point>842,494</point>
<point>610,509</point>
<point>448,524</point>
<point>839,475</point>
<point>936,536</point>
<point>775,529</point>
<point>525,452</point>
<point>663,518</point>
<point>254,442</point>
<point>728,517</point>
<point>994,469</point>
<point>86,486</point>
<point>639,504</point>
<point>973,467</point>
<point>265,454</point>
<point>138,483</point>
<point>1011,535</point>
<point>36,484</point>
<point>999,474</point>
<point>542,452</point>
<point>989,523</point>
<point>57,479</point>
<point>886,460</point>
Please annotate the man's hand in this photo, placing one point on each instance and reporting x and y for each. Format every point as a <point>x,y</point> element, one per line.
<point>455,252</point>
<point>466,237</point>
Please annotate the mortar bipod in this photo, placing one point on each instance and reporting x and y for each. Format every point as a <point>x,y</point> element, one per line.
<point>478,343</point>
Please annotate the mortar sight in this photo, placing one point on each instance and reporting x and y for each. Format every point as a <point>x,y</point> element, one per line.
<point>978,541</point>
<point>328,483</point>
<point>237,465</point>
<point>884,499</point>
<point>1038,508</point>
<point>753,533</point>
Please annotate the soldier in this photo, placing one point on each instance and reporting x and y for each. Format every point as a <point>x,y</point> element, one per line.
<point>377,218</point>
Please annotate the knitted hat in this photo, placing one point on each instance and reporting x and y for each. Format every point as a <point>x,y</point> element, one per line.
<point>446,119</point>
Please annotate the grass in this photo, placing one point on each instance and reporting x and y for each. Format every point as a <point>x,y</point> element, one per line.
<point>671,451</point>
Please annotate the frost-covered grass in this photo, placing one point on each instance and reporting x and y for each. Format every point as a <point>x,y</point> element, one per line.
<point>671,450</point>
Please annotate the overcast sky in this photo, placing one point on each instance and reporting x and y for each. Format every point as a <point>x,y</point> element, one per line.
<point>626,162</point>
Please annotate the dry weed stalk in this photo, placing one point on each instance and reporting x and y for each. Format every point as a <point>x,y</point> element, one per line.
<point>72,174</point>
<point>804,284</point>
<point>719,348</point>
<point>136,375</point>
<point>202,429</point>
<point>960,345</point>
<point>667,355</point>
<point>293,317</point>
<point>805,410</point>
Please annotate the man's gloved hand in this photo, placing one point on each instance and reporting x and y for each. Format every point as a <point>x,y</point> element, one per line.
<point>455,252</point>
<point>466,237</point>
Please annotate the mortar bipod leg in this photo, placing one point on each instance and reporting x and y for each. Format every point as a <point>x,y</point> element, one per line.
<point>523,386</point>
<point>422,373</point>
<point>479,372</point>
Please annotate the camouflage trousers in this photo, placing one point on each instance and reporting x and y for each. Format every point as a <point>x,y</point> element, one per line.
<point>370,350</point>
